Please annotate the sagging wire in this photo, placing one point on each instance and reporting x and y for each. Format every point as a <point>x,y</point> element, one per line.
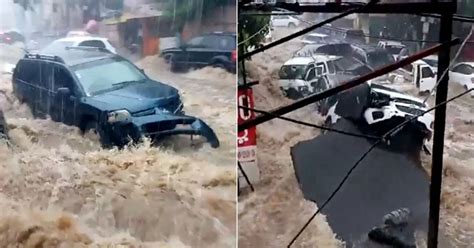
<point>310,124</point>
<point>385,137</point>
<point>432,91</point>
<point>253,35</point>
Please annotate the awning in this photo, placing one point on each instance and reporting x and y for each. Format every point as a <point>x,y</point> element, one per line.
<point>129,16</point>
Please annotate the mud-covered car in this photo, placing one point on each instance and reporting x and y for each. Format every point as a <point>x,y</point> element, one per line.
<point>216,49</point>
<point>105,94</point>
<point>379,108</point>
<point>3,126</point>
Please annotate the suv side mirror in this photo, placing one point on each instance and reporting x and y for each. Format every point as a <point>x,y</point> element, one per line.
<point>64,91</point>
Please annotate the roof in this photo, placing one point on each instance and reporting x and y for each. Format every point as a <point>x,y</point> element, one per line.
<point>318,35</point>
<point>299,61</point>
<point>466,63</point>
<point>72,57</point>
<point>324,57</point>
<point>80,38</point>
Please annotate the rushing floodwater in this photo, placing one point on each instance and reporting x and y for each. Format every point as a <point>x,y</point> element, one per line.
<point>59,189</point>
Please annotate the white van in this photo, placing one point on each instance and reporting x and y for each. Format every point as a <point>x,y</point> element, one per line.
<point>298,75</point>
<point>420,73</point>
<point>315,38</point>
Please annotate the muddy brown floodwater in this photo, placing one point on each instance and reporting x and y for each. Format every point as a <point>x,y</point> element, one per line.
<point>59,189</point>
<point>274,213</point>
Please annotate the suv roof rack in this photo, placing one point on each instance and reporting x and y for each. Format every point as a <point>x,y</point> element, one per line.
<point>87,48</point>
<point>44,57</point>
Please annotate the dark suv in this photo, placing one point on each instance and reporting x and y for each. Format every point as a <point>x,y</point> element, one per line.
<point>104,93</point>
<point>214,49</point>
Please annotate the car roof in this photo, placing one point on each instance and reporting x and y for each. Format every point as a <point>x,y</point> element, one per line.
<point>80,38</point>
<point>299,61</point>
<point>72,57</point>
<point>466,63</point>
<point>318,35</point>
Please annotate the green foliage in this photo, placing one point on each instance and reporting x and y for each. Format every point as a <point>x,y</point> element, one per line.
<point>182,11</point>
<point>252,31</point>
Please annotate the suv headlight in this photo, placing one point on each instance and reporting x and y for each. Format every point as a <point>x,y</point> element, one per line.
<point>119,116</point>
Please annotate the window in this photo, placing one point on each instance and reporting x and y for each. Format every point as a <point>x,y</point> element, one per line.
<point>29,71</point>
<point>46,74</point>
<point>464,69</point>
<point>426,72</point>
<point>331,67</point>
<point>106,75</point>
<point>226,43</point>
<point>62,79</point>
<point>92,43</point>
<point>292,71</point>
<point>196,42</point>
<point>321,68</point>
<point>311,74</point>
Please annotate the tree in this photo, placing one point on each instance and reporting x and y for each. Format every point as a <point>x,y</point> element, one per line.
<point>252,31</point>
<point>182,11</point>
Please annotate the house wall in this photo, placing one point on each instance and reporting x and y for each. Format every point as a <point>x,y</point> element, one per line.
<point>223,19</point>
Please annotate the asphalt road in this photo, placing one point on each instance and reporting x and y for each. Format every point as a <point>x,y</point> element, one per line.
<point>387,179</point>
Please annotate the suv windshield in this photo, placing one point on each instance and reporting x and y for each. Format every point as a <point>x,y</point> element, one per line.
<point>106,75</point>
<point>292,71</point>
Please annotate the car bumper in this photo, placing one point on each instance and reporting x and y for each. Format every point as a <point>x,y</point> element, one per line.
<point>160,126</point>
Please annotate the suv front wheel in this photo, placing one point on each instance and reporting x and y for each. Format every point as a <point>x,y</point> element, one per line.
<point>93,132</point>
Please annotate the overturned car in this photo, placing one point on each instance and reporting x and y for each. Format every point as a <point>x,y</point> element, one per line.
<point>377,109</point>
<point>104,94</point>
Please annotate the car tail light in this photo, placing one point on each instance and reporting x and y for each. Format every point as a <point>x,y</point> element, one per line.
<point>234,56</point>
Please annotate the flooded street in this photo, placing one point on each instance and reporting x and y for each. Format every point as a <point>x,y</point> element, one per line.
<point>59,189</point>
<point>273,214</point>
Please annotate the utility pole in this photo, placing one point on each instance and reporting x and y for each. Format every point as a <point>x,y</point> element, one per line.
<point>439,128</point>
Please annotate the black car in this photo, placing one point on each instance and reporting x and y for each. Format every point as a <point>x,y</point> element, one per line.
<point>98,91</point>
<point>214,49</point>
<point>10,37</point>
<point>3,126</point>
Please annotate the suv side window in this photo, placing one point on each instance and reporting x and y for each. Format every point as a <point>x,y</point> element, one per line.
<point>29,71</point>
<point>62,79</point>
<point>196,42</point>
<point>92,43</point>
<point>46,74</point>
<point>225,42</point>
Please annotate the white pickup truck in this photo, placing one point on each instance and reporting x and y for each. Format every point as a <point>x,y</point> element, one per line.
<point>298,75</point>
<point>420,73</point>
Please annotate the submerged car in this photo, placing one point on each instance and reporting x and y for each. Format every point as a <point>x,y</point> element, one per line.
<point>3,127</point>
<point>75,41</point>
<point>217,49</point>
<point>105,94</point>
<point>382,107</point>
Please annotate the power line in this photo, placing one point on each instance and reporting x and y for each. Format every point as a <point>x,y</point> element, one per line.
<point>333,193</point>
<point>388,134</point>
<point>310,124</point>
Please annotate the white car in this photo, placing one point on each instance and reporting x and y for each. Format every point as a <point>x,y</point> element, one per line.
<point>76,33</point>
<point>391,104</point>
<point>463,74</point>
<point>315,38</point>
<point>85,41</point>
<point>284,21</point>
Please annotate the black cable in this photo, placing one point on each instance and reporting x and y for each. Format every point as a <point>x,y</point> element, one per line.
<point>334,192</point>
<point>310,124</point>
<point>390,133</point>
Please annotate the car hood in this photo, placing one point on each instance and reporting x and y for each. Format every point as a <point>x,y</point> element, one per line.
<point>138,97</point>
